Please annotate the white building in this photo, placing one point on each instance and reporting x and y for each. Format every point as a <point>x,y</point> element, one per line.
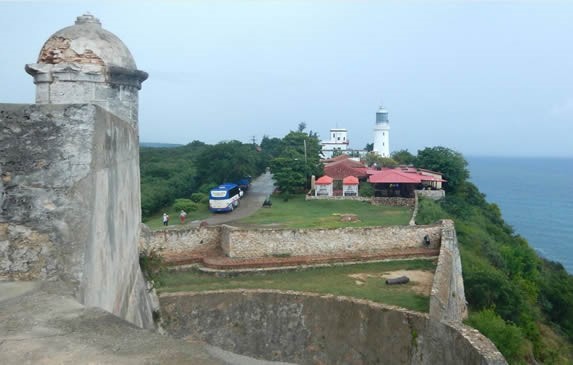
<point>338,141</point>
<point>382,133</point>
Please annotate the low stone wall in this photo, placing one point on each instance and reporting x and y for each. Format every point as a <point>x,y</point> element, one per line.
<point>322,197</point>
<point>447,299</point>
<point>394,202</point>
<point>249,243</point>
<point>432,194</point>
<point>307,328</point>
<point>177,239</point>
<point>387,201</point>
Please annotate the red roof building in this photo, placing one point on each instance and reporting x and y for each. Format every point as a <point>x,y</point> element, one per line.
<point>342,166</point>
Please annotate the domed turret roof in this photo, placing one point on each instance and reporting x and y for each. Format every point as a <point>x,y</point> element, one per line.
<point>88,43</point>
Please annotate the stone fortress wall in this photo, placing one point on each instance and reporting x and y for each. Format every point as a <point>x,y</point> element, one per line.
<point>69,211</point>
<point>447,299</point>
<point>260,242</point>
<point>249,243</point>
<point>306,328</point>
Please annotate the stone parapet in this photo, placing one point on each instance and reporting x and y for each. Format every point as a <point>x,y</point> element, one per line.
<point>307,328</point>
<point>447,298</point>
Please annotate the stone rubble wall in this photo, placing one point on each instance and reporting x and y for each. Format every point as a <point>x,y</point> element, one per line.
<point>394,201</point>
<point>71,204</point>
<point>250,243</point>
<point>306,328</point>
<point>181,239</point>
<point>447,298</point>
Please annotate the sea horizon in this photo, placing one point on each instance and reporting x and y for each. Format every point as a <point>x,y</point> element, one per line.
<point>534,198</point>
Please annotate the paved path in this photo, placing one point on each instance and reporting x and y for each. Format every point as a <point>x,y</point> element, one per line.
<point>260,189</point>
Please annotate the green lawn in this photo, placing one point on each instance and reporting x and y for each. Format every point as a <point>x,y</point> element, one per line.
<point>156,220</point>
<point>298,213</point>
<point>329,280</point>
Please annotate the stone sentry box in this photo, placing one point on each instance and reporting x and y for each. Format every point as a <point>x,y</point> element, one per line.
<point>70,206</point>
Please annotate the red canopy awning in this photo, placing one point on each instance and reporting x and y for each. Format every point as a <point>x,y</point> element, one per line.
<point>324,180</point>
<point>350,180</point>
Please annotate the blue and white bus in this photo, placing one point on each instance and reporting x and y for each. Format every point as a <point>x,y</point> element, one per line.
<point>224,198</point>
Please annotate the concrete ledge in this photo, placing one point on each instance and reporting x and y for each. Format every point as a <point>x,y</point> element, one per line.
<point>44,325</point>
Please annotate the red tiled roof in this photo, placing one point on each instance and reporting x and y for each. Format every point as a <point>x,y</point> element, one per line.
<point>340,171</point>
<point>324,180</point>
<point>344,167</point>
<point>350,180</point>
<point>394,176</point>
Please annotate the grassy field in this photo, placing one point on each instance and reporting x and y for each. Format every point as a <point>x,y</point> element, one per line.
<point>365,283</point>
<point>298,213</point>
<point>156,220</point>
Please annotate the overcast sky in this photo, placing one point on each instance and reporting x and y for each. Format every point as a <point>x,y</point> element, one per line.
<point>482,77</point>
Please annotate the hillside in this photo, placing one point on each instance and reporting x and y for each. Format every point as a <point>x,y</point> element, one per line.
<point>521,301</point>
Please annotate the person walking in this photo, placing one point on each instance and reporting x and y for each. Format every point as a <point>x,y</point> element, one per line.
<point>165,219</point>
<point>182,216</point>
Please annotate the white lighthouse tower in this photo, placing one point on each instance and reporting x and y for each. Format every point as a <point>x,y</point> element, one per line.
<point>382,133</point>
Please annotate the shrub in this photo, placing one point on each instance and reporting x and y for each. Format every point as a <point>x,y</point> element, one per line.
<point>152,265</point>
<point>185,204</point>
<point>429,212</point>
<point>198,197</point>
<point>365,189</point>
<point>506,336</point>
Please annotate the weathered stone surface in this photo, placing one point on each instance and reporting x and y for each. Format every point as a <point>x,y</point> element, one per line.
<point>40,323</point>
<point>85,63</point>
<point>431,194</point>
<point>310,328</point>
<point>71,206</point>
<point>243,243</point>
<point>177,239</point>
<point>448,299</point>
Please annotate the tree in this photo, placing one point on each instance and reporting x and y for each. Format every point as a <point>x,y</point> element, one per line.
<point>298,159</point>
<point>227,162</point>
<point>301,127</point>
<point>369,147</point>
<point>403,157</point>
<point>372,158</point>
<point>450,163</point>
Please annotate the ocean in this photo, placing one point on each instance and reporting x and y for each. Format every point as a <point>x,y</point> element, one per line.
<point>536,198</point>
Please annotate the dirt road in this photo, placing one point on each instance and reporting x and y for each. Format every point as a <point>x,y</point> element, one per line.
<point>261,188</point>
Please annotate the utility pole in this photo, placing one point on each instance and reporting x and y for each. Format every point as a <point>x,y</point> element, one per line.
<point>254,140</point>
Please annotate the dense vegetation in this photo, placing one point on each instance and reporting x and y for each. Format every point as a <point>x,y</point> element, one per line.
<point>171,176</point>
<point>524,303</point>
